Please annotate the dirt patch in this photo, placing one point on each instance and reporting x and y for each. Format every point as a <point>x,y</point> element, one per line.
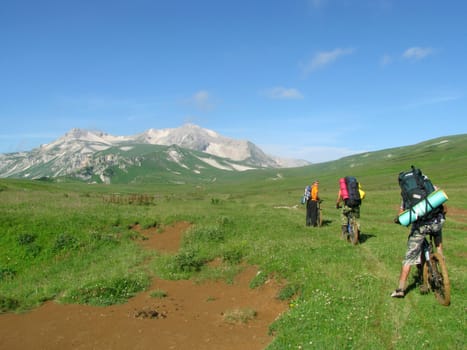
<point>185,316</point>
<point>457,214</point>
<point>167,241</point>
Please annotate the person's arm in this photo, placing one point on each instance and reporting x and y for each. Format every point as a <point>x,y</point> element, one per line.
<point>402,207</point>
<point>444,208</point>
<point>338,200</point>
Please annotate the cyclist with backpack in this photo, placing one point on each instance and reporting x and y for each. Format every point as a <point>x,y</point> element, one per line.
<point>351,195</point>
<point>415,187</point>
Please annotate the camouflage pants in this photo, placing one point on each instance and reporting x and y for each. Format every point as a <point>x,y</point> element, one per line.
<point>417,237</point>
<point>345,211</point>
<point>414,247</point>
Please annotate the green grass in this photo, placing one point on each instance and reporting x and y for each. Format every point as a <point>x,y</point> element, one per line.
<point>158,294</point>
<point>73,243</point>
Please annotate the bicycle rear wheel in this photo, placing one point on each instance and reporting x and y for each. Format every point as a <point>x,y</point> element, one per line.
<point>438,281</point>
<point>319,219</point>
<point>354,232</point>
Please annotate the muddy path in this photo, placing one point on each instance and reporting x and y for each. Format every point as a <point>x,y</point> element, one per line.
<point>191,316</point>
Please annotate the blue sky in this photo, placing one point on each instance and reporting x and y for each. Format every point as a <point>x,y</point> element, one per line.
<point>308,79</point>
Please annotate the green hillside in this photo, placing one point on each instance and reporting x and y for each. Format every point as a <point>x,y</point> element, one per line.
<point>154,166</point>
<point>58,239</point>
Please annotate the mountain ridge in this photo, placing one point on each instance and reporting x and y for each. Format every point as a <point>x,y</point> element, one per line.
<point>80,151</point>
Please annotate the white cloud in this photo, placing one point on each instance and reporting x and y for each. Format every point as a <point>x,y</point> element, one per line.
<point>417,53</point>
<point>324,58</point>
<point>283,93</point>
<point>202,100</point>
<point>386,59</point>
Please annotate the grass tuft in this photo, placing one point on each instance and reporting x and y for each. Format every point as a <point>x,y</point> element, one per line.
<point>158,293</point>
<point>8,304</point>
<point>239,315</point>
<point>106,292</point>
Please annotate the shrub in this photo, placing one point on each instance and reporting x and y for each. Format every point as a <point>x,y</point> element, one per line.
<point>26,238</point>
<point>101,238</point>
<point>205,234</point>
<point>64,241</point>
<point>188,261</point>
<point>8,304</point>
<point>224,221</point>
<point>107,292</point>
<point>33,250</point>
<point>259,279</point>
<point>233,256</point>
<point>151,225</point>
<point>288,291</point>
<point>7,273</point>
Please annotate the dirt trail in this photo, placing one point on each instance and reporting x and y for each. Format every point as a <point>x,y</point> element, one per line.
<point>190,317</point>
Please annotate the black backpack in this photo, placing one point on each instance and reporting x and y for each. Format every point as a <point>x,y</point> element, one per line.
<point>415,187</point>
<point>354,199</point>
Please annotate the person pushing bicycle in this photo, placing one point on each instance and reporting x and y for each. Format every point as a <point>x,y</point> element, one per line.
<point>312,204</point>
<point>349,209</point>
<point>431,224</point>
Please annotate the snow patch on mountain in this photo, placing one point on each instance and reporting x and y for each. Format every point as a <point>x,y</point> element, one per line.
<point>214,163</point>
<point>239,167</point>
<point>177,158</point>
<point>234,151</point>
<point>227,166</point>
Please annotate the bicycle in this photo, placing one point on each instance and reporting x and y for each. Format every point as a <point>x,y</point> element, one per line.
<point>435,273</point>
<point>319,219</point>
<point>352,228</point>
<point>352,234</point>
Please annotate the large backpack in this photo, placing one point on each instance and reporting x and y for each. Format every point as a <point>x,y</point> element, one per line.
<point>415,187</point>
<point>354,199</point>
<point>306,195</point>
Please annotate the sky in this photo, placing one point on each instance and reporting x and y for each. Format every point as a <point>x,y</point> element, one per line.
<point>306,79</point>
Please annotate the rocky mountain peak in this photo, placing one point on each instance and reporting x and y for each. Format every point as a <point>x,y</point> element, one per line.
<point>77,148</point>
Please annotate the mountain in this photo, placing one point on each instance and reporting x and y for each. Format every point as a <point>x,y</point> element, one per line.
<point>98,156</point>
<point>193,137</point>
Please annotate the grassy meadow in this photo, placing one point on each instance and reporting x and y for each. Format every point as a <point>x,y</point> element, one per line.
<point>73,243</point>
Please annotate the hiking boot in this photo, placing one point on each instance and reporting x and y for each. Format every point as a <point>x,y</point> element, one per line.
<point>398,293</point>
<point>424,289</point>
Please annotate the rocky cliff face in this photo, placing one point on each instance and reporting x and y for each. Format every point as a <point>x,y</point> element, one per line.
<point>82,149</point>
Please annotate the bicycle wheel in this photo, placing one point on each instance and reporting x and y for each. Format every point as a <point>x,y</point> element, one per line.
<point>319,219</point>
<point>353,232</point>
<point>438,282</point>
